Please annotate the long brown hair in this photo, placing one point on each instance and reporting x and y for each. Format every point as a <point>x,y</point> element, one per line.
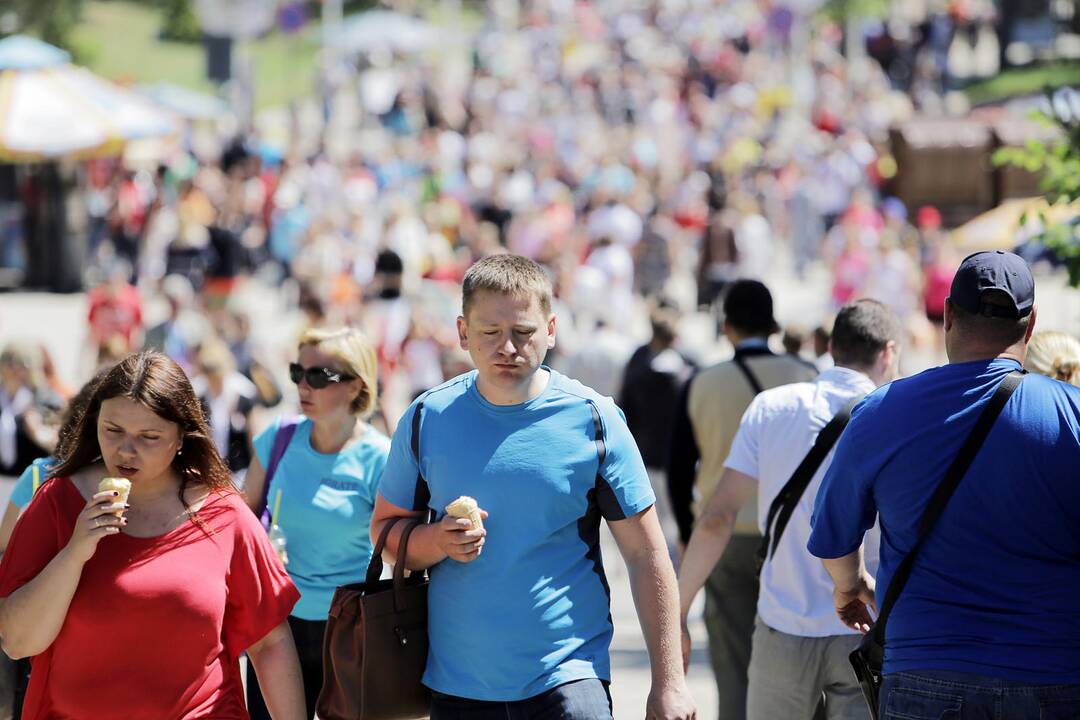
<point>157,382</point>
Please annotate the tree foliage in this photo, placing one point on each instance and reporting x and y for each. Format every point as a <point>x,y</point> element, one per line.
<point>841,10</point>
<point>1058,162</point>
<point>179,23</point>
<point>51,20</point>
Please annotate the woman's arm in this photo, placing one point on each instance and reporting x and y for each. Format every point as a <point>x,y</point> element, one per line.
<point>31,617</point>
<point>7,525</point>
<point>278,669</point>
<point>253,484</point>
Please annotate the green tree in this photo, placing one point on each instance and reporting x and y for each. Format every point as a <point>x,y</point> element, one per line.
<point>179,23</point>
<point>841,10</point>
<point>1058,162</point>
<point>51,20</point>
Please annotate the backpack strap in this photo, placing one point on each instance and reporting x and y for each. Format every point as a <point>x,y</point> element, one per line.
<point>740,362</point>
<point>422,494</point>
<point>282,438</point>
<point>784,504</point>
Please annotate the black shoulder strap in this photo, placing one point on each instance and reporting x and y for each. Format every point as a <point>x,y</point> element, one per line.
<point>422,494</point>
<point>945,490</point>
<point>784,504</point>
<point>740,361</point>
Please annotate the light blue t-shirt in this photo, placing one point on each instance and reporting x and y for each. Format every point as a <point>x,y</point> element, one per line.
<point>325,513</point>
<point>532,611</point>
<point>993,590</point>
<point>27,485</point>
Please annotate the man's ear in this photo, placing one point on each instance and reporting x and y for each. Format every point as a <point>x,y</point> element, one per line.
<point>1031,324</point>
<point>948,318</point>
<point>551,331</point>
<point>463,333</point>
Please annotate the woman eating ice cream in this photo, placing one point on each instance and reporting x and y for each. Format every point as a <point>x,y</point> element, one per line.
<point>142,609</point>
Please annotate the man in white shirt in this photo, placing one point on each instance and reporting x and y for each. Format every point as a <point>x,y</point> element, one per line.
<point>800,648</point>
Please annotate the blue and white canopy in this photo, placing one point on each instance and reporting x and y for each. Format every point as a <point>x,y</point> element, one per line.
<point>51,109</point>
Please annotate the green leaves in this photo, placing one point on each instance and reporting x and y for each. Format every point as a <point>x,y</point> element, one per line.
<point>1059,164</point>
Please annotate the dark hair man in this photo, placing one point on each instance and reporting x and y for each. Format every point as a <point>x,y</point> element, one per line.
<point>712,406</point>
<point>987,619</point>
<point>800,648</point>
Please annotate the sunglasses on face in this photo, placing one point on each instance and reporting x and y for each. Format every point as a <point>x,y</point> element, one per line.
<point>317,377</point>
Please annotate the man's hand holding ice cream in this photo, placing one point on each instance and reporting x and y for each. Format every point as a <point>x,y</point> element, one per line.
<point>461,532</point>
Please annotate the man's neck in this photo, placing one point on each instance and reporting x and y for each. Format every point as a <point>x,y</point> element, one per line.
<point>1015,352</point>
<point>517,395</point>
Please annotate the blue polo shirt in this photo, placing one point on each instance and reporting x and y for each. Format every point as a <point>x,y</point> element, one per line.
<point>531,612</point>
<point>994,589</point>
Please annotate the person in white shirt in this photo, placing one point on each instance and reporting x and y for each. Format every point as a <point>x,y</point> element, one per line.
<point>800,648</point>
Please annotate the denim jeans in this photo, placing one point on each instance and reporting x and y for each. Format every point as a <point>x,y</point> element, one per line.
<point>578,700</point>
<point>945,695</point>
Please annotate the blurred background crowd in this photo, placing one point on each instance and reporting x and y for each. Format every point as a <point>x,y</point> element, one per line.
<point>646,153</point>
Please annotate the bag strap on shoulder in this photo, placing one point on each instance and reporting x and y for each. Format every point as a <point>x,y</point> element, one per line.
<point>784,504</point>
<point>740,362</point>
<point>945,490</point>
<point>422,493</point>
<point>282,438</point>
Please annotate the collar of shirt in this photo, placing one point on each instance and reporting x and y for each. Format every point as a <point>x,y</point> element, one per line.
<point>847,378</point>
<point>752,343</point>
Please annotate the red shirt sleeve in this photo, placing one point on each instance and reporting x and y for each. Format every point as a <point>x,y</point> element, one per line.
<point>44,528</point>
<point>260,593</point>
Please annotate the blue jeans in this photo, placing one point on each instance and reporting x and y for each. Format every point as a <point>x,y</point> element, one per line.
<point>578,700</point>
<point>945,695</point>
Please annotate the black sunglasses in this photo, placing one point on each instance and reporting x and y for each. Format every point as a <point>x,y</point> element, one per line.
<point>317,377</point>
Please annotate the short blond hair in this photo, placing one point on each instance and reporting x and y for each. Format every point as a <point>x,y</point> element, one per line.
<point>351,348</point>
<point>512,275</point>
<point>1055,355</point>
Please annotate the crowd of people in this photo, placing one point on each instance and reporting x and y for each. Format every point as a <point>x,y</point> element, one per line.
<point>605,170</point>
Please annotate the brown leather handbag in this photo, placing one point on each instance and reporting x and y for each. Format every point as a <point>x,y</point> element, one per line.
<point>376,643</point>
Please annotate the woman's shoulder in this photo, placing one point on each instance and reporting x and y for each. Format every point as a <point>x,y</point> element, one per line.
<point>225,509</point>
<point>301,426</point>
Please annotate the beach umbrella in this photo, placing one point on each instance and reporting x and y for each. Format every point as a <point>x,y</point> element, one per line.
<point>52,109</point>
<point>184,102</point>
<point>384,29</point>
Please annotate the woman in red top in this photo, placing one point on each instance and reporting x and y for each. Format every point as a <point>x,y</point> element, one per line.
<point>141,610</point>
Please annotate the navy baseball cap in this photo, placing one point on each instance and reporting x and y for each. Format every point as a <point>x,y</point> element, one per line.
<point>996,270</point>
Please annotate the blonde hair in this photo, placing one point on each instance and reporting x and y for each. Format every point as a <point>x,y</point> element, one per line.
<point>351,348</point>
<point>1055,355</point>
<point>512,275</point>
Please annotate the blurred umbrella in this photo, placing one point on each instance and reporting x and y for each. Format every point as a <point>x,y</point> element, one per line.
<point>184,102</point>
<point>1010,224</point>
<point>51,109</point>
<point>383,29</point>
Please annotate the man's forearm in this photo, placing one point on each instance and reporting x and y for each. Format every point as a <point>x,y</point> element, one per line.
<point>845,571</point>
<point>707,545</point>
<point>423,551</point>
<point>653,585</point>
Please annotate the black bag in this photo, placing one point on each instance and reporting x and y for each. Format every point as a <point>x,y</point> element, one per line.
<point>868,659</point>
<point>785,502</point>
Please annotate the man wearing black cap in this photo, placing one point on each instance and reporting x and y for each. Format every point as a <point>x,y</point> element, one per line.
<point>711,407</point>
<point>986,622</point>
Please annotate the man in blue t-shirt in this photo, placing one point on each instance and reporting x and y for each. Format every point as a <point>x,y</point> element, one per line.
<point>989,612</point>
<point>519,619</point>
